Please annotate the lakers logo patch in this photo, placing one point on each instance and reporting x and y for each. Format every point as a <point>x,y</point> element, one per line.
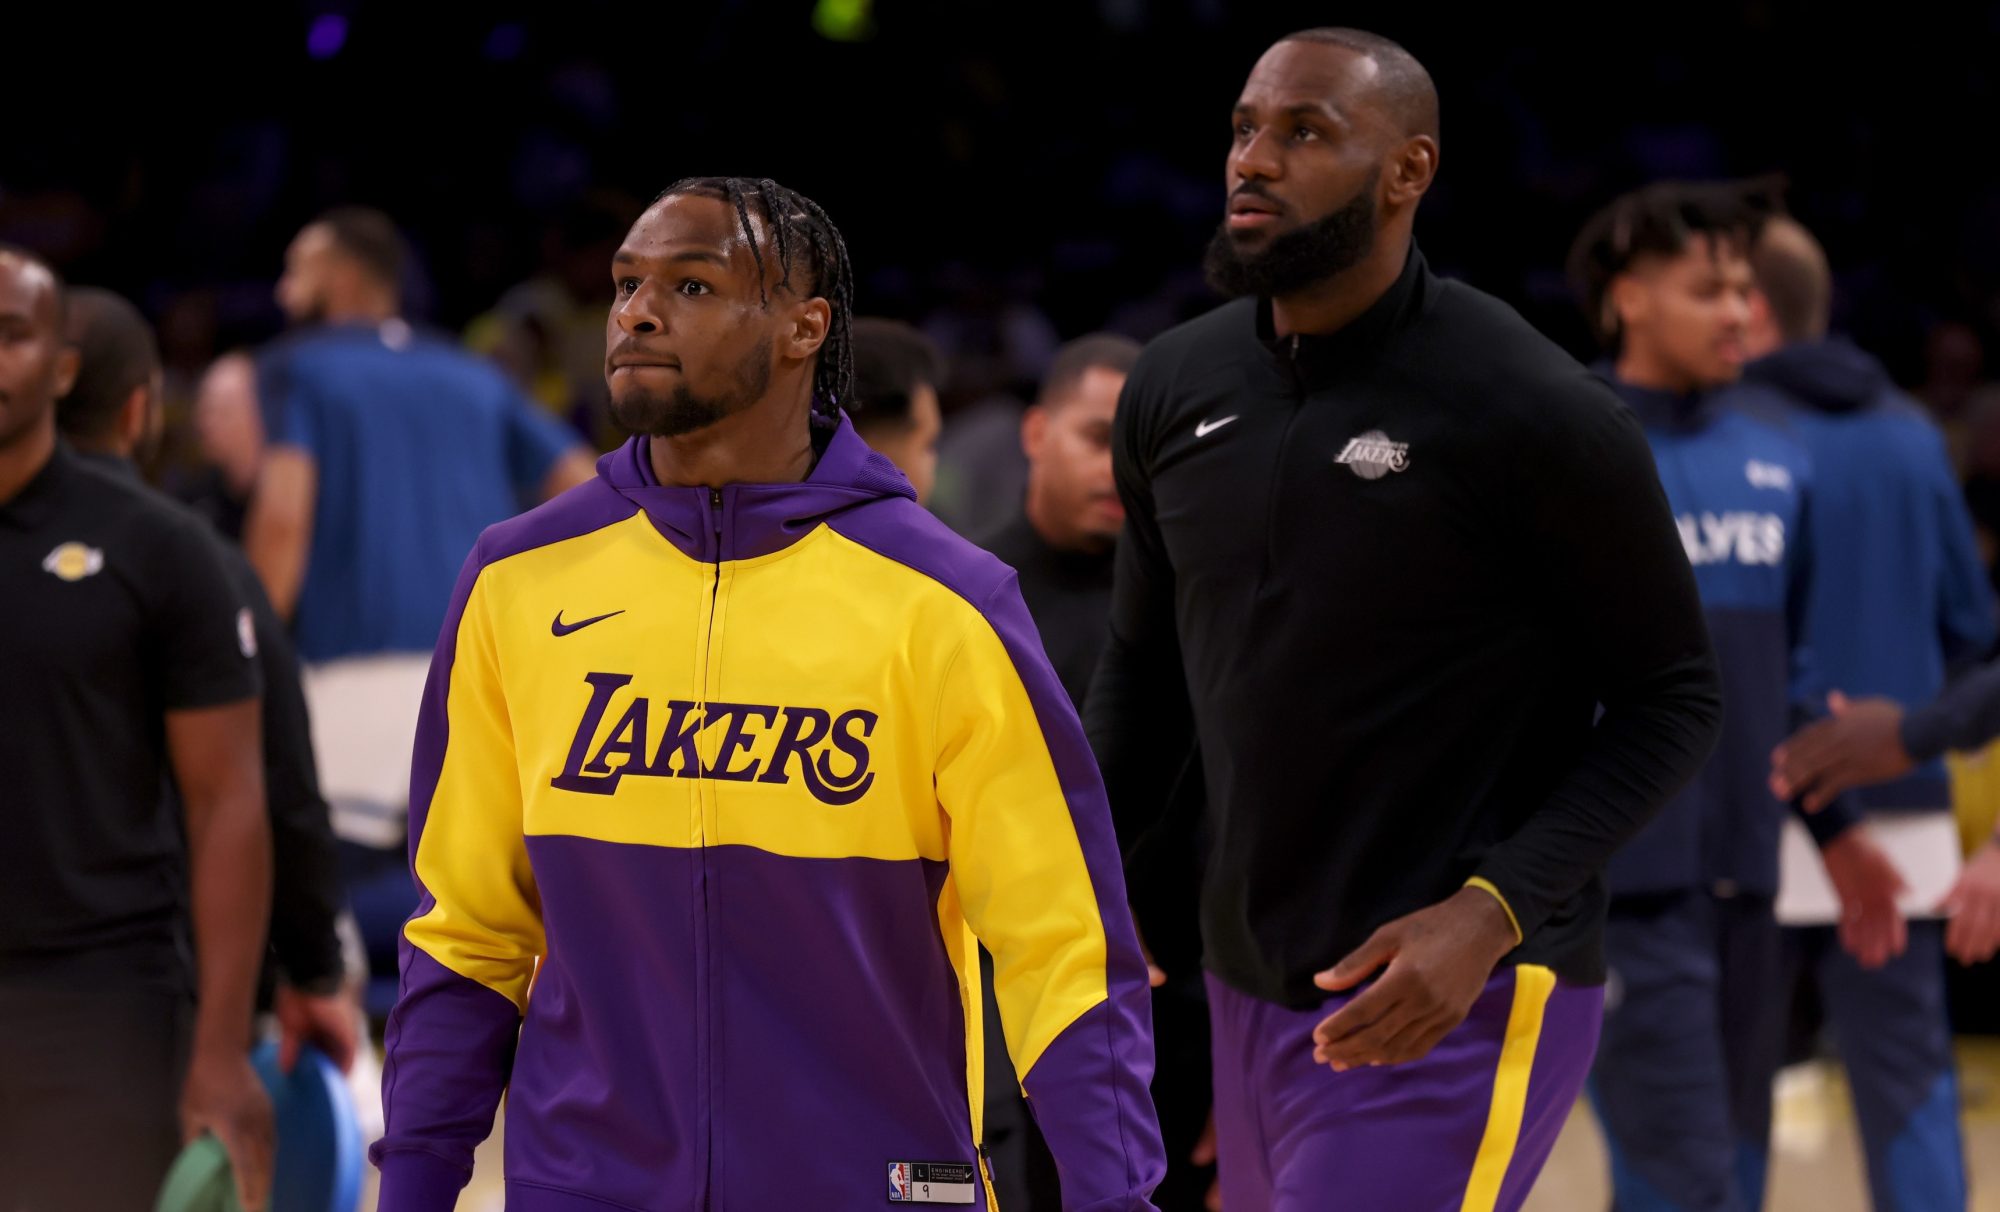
<point>74,561</point>
<point>1373,455</point>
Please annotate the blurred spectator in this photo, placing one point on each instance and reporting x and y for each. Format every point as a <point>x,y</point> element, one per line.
<point>1693,1035</point>
<point>992,341</point>
<point>981,472</point>
<point>895,405</point>
<point>1897,598</point>
<point>111,416</point>
<point>1060,543</point>
<point>1066,524</point>
<point>547,333</point>
<point>389,452</point>
<point>1954,372</point>
<point>229,437</point>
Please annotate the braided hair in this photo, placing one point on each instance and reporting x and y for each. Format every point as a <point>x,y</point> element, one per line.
<point>806,241</point>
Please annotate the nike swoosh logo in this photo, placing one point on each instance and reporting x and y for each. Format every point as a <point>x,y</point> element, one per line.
<point>1208,427</point>
<point>561,628</point>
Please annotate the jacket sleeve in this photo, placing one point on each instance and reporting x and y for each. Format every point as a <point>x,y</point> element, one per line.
<point>1138,705</point>
<point>1809,688</point>
<point>1621,595</point>
<point>469,951</point>
<point>305,889</point>
<point>1036,866</point>
<point>1966,716</point>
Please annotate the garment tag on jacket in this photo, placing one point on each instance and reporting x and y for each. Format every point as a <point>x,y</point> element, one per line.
<point>930,1183</point>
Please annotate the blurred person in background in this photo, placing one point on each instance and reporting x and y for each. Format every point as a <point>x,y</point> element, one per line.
<point>1695,1035</point>
<point>1061,546</point>
<point>1898,599</point>
<point>1063,536</point>
<point>229,439</point>
<point>129,658</point>
<point>388,451</point>
<point>112,416</point>
<point>896,375</point>
<point>547,332</point>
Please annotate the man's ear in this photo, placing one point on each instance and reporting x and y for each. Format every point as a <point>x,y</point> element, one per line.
<point>68,362</point>
<point>1034,427</point>
<point>812,319</point>
<point>1411,171</point>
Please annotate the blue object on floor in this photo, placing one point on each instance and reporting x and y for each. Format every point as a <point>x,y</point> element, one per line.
<point>320,1152</point>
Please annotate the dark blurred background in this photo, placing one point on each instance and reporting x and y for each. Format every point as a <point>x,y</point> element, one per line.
<point>1011,173</point>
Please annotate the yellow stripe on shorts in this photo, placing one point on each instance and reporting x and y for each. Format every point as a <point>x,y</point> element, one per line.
<point>1532,986</point>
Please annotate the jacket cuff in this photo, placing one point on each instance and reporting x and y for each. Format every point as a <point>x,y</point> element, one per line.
<point>1486,886</point>
<point>1923,733</point>
<point>416,1181</point>
<point>1840,815</point>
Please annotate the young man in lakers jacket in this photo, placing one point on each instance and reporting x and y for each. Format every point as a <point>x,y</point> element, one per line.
<point>728,756</point>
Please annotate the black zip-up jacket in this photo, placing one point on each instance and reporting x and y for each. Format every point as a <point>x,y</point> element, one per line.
<point>1420,587</point>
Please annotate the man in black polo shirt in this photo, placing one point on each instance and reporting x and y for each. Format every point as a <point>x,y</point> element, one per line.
<point>111,414</point>
<point>1062,539</point>
<point>1061,544</point>
<point>126,658</point>
<point>1413,569</point>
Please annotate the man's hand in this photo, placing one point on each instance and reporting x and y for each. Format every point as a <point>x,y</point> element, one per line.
<point>1439,960</point>
<point>1974,905</point>
<point>1155,975</point>
<point>1871,926</point>
<point>1204,1155</point>
<point>1859,744</point>
<point>223,1096</point>
<point>330,1022</point>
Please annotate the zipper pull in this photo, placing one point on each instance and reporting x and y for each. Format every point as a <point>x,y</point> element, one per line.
<point>715,503</point>
<point>1295,347</point>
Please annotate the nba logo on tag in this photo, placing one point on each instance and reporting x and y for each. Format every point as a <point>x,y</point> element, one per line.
<point>932,1183</point>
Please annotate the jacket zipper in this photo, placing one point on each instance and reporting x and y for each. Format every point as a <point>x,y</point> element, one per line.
<point>703,791</point>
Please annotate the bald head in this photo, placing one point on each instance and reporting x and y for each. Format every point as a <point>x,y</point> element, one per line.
<point>37,364</point>
<point>39,279</point>
<point>1400,85</point>
<point>1795,279</point>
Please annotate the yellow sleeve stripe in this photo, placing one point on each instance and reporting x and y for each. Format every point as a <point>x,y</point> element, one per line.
<point>1487,887</point>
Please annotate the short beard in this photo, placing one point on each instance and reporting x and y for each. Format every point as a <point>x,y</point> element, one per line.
<point>681,411</point>
<point>1296,259</point>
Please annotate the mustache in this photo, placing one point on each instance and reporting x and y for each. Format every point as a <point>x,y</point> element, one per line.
<point>1255,189</point>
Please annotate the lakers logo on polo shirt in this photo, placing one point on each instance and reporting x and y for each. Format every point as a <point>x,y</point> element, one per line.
<point>1373,455</point>
<point>74,561</point>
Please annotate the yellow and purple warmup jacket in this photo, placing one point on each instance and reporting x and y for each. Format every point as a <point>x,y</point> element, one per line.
<point>713,790</point>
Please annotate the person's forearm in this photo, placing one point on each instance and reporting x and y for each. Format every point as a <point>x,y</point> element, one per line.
<point>1965,716</point>
<point>229,851</point>
<point>277,533</point>
<point>278,553</point>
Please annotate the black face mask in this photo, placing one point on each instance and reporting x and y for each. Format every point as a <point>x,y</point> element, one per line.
<point>1296,259</point>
